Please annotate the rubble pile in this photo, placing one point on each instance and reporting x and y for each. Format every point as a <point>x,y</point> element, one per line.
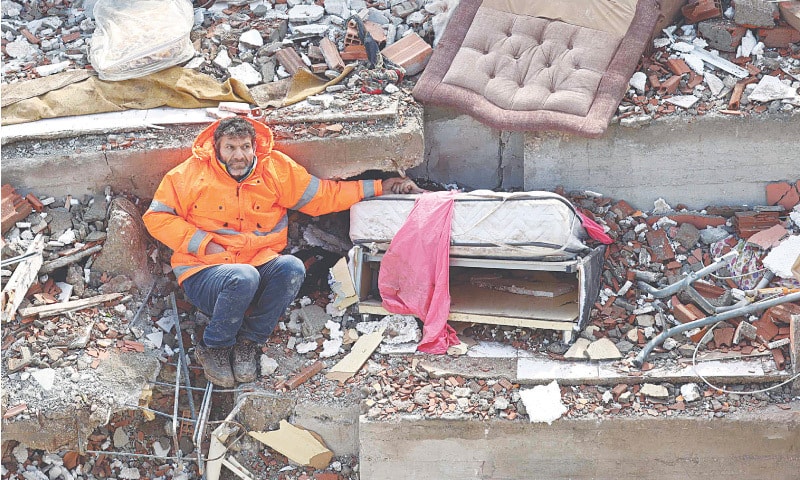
<point>662,248</point>
<point>45,356</point>
<point>255,41</point>
<point>723,57</point>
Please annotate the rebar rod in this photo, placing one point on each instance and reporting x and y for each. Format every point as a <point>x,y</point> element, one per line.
<point>753,307</point>
<point>182,354</point>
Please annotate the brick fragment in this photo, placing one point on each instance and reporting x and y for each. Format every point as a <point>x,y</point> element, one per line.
<point>331,54</point>
<point>780,359</point>
<point>290,60</point>
<point>778,37</point>
<point>670,85</point>
<point>305,374</point>
<point>766,329</point>
<point>698,10</point>
<point>660,246</point>
<point>678,66</point>
<point>70,37</point>
<point>784,194</point>
<point>622,209</point>
<point>723,337</point>
<point>410,52</point>
<point>721,34</point>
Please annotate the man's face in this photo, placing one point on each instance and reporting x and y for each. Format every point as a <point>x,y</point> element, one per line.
<point>237,154</point>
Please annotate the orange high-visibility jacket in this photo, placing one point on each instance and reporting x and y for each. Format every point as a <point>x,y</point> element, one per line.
<point>198,202</point>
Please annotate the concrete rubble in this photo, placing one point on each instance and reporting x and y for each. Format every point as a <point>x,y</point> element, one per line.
<point>743,60</point>
<point>65,362</point>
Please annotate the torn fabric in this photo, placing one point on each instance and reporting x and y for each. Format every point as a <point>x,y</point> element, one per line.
<point>174,87</point>
<point>414,276</point>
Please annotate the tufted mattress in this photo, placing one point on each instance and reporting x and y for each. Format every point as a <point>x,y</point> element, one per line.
<point>523,225</point>
<point>538,64</point>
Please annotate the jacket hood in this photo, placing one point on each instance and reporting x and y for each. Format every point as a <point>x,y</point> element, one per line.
<point>203,146</point>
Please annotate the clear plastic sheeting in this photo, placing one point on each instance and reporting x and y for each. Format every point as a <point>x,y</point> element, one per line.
<point>134,38</point>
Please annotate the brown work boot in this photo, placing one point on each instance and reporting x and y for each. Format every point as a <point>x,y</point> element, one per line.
<point>216,364</point>
<point>245,360</point>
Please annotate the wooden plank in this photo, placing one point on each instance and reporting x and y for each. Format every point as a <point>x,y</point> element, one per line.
<point>69,259</point>
<point>22,279</point>
<point>63,307</point>
<point>352,362</point>
<point>475,300</point>
<point>373,307</point>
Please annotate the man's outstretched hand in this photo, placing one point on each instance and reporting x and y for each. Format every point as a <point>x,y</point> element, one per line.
<point>401,185</point>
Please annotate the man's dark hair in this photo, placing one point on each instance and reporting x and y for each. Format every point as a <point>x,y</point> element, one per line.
<point>234,127</point>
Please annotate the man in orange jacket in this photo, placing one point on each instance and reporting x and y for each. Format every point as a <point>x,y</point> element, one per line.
<point>223,212</point>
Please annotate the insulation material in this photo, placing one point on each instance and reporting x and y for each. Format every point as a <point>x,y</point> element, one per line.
<point>543,403</point>
<point>523,225</point>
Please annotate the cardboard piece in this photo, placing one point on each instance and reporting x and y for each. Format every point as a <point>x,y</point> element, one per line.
<point>351,363</point>
<point>342,285</point>
<point>298,444</point>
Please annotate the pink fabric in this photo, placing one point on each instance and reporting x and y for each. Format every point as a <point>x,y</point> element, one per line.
<point>414,277</point>
<point>594,229</point>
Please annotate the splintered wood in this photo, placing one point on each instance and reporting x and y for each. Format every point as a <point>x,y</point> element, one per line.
<point>22,278</point>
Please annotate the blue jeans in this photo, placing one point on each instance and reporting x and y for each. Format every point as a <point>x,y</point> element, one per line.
<point>225,292</point>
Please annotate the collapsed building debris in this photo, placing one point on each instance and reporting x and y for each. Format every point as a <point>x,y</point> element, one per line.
<point>44,357</point>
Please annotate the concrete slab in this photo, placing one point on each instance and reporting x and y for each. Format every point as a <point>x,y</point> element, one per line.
<point>79,166</point>
<point>749,445</point>
<point>697,161</point>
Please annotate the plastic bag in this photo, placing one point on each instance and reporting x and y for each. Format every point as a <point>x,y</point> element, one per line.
<point>134,38</point>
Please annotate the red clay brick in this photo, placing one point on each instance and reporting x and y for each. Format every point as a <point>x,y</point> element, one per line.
<point>765,328</point>
<point>698,220</point>
<point>780,359</point>
<point>305,374</point>
<point>701,10</point>
<point>659,245</point>
<point>778,37</point>
<point>723,337</point>
<point>784,194</point>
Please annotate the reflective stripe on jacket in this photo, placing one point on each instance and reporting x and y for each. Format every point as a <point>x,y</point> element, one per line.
<point>198,202</point>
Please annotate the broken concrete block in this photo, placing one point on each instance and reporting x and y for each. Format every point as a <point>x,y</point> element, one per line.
<point>781,259</point>
<point>690,392</point>
<point>771,88</point>
<point>755,13</point>
<point>688,235</point>
<point>314,319</point>
<point>578,350</point>
<point>745,331</point>
<point>298,444</point>
<point>399,328</point>
<point>721,34</point>
<point>654,391</point>
<point>603,349</point>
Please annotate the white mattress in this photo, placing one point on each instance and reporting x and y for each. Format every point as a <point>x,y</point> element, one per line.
<point>531,225</point>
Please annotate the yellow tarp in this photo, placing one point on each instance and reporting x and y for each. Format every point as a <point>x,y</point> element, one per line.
<point>174,87</point>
